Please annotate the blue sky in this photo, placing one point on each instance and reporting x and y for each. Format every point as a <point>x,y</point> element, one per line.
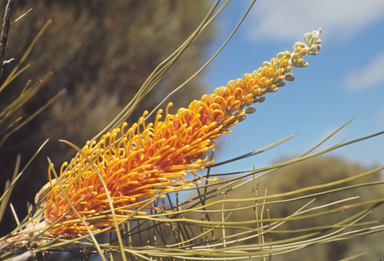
<point>345,80</point>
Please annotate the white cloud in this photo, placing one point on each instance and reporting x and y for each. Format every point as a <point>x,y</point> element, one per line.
<point>367,77</point>
<point>289,19</point>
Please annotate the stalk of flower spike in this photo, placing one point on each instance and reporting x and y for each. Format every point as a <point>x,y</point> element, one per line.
<point>149,159</point>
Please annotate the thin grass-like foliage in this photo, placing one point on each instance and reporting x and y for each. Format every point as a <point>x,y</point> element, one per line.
<point>28,93</point>
<point>9,123</point>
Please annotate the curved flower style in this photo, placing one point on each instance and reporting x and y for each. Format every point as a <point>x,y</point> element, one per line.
<point>149,159</point>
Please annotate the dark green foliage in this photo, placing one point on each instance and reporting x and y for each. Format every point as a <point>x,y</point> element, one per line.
<point>101,52</point>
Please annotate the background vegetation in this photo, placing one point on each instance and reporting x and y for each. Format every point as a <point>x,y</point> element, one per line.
<point>320,170</point>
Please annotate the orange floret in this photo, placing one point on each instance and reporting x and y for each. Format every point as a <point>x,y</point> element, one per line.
<point>149,159</point>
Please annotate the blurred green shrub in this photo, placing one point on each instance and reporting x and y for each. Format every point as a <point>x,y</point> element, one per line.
<point>319,170</point>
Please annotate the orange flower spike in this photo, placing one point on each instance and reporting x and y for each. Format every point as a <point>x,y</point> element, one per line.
<point>155,158</point>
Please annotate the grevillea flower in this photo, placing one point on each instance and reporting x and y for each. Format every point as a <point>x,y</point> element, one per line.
<point>145,160</point>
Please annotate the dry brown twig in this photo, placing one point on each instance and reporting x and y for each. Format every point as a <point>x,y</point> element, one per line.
<point>4,34</point>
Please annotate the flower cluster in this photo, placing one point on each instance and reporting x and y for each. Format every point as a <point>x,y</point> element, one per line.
<point>145,160</point>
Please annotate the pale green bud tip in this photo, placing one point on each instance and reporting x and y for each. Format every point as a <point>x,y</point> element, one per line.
<point>311,46</point>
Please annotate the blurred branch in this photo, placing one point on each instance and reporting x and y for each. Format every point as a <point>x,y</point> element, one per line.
<point>22,16</point>
<point>4,33</point>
